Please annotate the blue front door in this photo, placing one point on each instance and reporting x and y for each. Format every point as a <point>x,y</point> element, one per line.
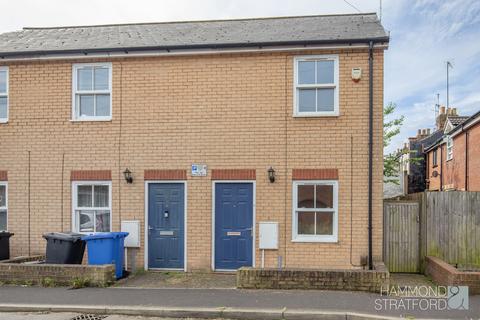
<point>166,216</point>
<point>233,225</point>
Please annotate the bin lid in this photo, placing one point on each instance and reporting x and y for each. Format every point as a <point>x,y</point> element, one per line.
<point>105,235</point>
<point>65,236</point>
<point>4,234</point>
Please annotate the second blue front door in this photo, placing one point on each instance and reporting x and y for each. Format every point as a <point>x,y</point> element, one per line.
<point>166,217</point>
<point>233,225</point>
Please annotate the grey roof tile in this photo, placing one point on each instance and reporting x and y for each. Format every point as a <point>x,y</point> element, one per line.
<point>215,33</point>
<point>456,120</point>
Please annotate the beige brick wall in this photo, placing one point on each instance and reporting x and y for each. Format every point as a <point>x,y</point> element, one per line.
<point>231,111</point>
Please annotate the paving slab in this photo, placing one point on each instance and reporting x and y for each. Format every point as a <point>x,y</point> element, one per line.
<point>208,303</point>
<point>197,280</point>
<point>410,280</point>
<point>37,316</point>
<point>69,316</point>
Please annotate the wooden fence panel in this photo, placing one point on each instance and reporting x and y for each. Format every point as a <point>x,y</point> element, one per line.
<point>449,228</point>
<point>453,227</point>
<point>401,236</point>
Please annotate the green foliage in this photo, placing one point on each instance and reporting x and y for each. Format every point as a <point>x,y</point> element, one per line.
<point>391,161</point>
<point>48,282</point>
<point>79,283</point>
<point>27,283</point>
<point>391,128</point>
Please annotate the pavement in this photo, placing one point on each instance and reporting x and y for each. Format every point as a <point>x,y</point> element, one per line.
<point>207,280</point>
<point>216,303</point>
<point>410,280</point>
<point>69,316</point>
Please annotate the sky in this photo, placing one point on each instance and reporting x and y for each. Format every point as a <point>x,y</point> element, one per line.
<point>425,34</point>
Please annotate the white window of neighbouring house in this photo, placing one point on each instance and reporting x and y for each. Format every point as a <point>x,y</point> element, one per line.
<point>449,148</point>
<point>92,206</point>
<point>316,85</point>
<point>3,206</point>
<point>315,212</point>
<point>3,94</point>
<point>92,92</point>
<point>435,160</point>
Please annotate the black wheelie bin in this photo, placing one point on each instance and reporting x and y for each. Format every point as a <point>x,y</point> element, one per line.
<point>64,248</point>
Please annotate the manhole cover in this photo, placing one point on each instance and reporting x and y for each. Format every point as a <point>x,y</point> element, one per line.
<point>89,317</point>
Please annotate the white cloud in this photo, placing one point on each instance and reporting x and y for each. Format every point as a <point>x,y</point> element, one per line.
<point>23,13</point>
<point>424,36</point>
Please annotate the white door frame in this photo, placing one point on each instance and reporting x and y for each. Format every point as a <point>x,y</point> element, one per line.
<point>254,187</point>
<point>147,183</point>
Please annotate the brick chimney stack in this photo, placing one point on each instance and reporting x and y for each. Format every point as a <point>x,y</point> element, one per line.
<point>442,117</point>
<point>422,133</point>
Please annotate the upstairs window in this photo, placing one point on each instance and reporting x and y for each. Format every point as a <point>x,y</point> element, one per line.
<point>434,158</point>
<point>316,86</point>
<point>92,92</point>
<point>92,206</point>
<point>3,94</point>
<point>449,148</point>
<point>3,206</point>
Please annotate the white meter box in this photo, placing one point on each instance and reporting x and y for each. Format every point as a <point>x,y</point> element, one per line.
<point>133,229</point>
<point>268,235</point>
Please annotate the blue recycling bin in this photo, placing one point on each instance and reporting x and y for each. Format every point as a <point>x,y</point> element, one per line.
<point>107,248</point>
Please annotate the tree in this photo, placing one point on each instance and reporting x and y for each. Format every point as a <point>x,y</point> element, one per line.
<point>391,128</point>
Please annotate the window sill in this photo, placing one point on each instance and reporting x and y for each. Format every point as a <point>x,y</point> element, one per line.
<point>3,120</point>
<point>103,119</point>
<point>314,240</point>
<point>90,233</point>
<point>316,115</point>
<point>449,159</point>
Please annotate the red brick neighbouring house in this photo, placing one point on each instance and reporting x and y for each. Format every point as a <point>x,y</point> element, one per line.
<point>453,163</point>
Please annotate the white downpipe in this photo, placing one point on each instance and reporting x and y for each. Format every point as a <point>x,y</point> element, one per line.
<point>126,256</point>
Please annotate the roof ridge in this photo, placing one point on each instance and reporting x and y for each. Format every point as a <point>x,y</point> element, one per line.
<point>193,21</point>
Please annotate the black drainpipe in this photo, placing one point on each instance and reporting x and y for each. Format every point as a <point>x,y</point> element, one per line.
<point>370,152</point>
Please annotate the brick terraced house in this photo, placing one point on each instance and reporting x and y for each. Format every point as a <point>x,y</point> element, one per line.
<point>222,125</point>
<point>453,162</point>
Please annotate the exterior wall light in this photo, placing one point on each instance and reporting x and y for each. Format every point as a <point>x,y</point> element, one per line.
<point>127,174</point>
<point>271,175</point>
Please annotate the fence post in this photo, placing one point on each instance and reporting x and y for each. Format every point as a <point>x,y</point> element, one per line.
<point>423,229</point>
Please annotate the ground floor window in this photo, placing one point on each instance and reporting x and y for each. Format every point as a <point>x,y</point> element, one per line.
<point>315,213</point>
<point>92,206</point>
<point>3,206</point>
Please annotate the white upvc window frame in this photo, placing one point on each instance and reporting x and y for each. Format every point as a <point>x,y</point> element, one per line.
<point>75,218</point>
<point>449,148</point>
<point>6,94</point>
<point>335,85</point>
<point>314,238</point>
<point>76,109</point>
<point>435,158</point>
<point>5,183</point>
